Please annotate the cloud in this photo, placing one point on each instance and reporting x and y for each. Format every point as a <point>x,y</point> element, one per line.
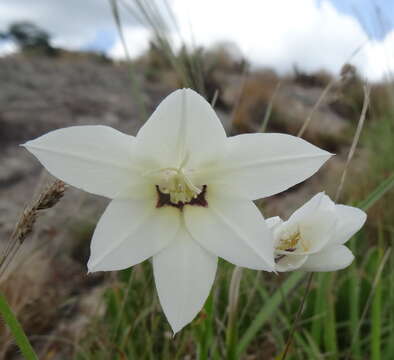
<point>7,47</point>
<point>380,58</point>
<point>137,40</point>
<point>283,33</point>
<point>313,35</point>
<point>72,23</point>
<point>277,33</point>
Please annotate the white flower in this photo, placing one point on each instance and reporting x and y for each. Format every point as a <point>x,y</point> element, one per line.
<point>312,238</point>
<point>182,193</point>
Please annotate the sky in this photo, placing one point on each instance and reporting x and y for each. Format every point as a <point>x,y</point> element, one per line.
<point>375,16</point>
<point>312,34</point>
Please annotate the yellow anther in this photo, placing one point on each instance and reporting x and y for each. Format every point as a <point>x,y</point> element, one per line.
<point>178,185</point>
<point>289,241</point>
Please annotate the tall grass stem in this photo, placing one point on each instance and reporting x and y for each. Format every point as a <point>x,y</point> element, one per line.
<point>16,329</point>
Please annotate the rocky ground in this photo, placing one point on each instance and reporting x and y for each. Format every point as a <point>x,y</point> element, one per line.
<point>47,284</point>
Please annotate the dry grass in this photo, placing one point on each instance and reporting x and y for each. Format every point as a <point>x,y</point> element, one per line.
<point>257,92</point>
<point>24,227</point>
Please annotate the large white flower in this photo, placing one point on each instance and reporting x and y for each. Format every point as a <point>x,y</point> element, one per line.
<point>312,238</point>
<point>182,193</point>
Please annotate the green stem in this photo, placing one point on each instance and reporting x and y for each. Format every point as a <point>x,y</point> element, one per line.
<point>330,335</point>
<point>232,326</point>
<point>354,302</point>
<point>205,331</point>
<point>16,329</point>
<point>376,307</point>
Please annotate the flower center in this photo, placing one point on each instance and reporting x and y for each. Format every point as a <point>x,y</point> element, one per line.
<point>177,184</point>
<point>175,187</point>
<point>291,242</point>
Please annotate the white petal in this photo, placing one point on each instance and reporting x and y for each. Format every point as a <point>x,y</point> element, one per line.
<point>273,222</point>
<point>274,225</point>
<point>260,165</point>
<point>349,221</point>
<point>97,159</point>
<point>129,232</point>
<point>290,262</point>
<point>183,126</point>
<point>184,273</point>
<point>317,230</point>
<point>316,222</point>
<point>318,202</point>
<point>233,229</point>
<point>333,258</point>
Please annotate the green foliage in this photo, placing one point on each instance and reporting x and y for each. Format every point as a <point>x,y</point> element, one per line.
<point>134,327</point>
<point>30,38</point>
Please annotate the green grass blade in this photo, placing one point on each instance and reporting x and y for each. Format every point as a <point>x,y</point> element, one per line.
<point>330,336</point>
<point>319,309</point>
<point>16,329</point>
<point>308,346</point>
<point>204,330</point>
<point>354,302</point>
<point>389,348</point>
<point>375,195</point>
<point>268,309</point>
<point>376,307</point>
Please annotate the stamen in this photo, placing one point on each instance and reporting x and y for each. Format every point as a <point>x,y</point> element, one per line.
<point>291,242</point>
<point>190,184</point>
<point>177,184</point>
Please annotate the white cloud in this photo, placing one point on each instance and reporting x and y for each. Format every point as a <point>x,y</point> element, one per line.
<point>7,47</point>
<point>380,58</point>
<point>276,33</point>
<point>281,33</point>
<point>137,40</point>
<point>72,23</point>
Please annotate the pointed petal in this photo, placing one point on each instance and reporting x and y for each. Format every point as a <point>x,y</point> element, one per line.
<point>233,229</point>
<point>333,258</point>
<point>316,222</point>
<point>349,221</point>
<point>184,273</point>
<point>318,202</point>
<point>290,262</point>
<point>97,159</point>
<point>274,225</point>
<point>260,165</point>
<point>176,129</point>
<point>273,222</point>
<point>131,231</point>
<point>317,230</point>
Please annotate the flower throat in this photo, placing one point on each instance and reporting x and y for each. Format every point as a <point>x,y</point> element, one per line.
<point>175,188</point>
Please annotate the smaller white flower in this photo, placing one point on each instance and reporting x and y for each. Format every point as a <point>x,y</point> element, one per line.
<point>312,238</point>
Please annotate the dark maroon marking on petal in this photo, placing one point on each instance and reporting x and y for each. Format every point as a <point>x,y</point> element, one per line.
<point>281,256</point>
<point>164,199</point>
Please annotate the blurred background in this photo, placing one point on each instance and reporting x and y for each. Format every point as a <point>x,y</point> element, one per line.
<point>294,66</point>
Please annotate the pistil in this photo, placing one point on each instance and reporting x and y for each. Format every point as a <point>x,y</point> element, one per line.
<point>178,185</point>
